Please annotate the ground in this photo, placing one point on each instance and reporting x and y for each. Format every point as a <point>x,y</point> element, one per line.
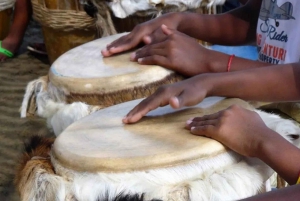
<point>15,73</point>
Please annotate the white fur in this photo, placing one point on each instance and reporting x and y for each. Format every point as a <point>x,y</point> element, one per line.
<point>51,105</point>
<point>124,8</point>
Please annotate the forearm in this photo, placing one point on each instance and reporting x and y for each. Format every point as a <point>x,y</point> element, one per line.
<point>273,83</point>
<point>218,61</point>
<point>290,193</point>
<point>233,28</point>
<point>22,14</point>
<point>280,155</point>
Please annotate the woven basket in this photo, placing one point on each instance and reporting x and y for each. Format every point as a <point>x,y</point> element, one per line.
<point>65,25</point>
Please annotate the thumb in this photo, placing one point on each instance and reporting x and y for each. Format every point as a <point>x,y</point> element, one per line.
<point>166,29</point>
<point>179,101</point>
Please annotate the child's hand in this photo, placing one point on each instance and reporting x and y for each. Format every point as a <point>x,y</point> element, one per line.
<point>185,93</point>
<point>142,33</point>
<point>178,52</point>
<point>237,128</point>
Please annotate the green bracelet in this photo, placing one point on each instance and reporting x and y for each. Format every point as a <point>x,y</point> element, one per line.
<point>5,51</point>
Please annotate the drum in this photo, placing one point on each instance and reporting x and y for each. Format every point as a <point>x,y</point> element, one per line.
<point>98,157</point>
<point>65,25</point>
<point>5,17</point>
<point>83,75</point>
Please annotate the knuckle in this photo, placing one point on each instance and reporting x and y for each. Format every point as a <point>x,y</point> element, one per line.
<point>138,27</point>
<point>235,107</point>
<point>162,89</point>
<point>155,58</point>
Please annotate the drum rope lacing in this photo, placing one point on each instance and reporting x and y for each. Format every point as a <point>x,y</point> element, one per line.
<point>5,4</point>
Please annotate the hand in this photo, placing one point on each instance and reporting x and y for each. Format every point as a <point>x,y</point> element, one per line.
<point>185,93</point>
<point>237,128</point>
<point>178,52</point>
<point>147,32</point>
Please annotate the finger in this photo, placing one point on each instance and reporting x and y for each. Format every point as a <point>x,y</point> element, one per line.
<point>105,52</point>
<point>191,124</point>
<point>159,99</point>
<point>205,130</point>
<point>154,60</point>
<point>188,98</point>
<point>208,117</point>
<point>130,41</point>
<point>120,40</point>
<point>147,40</point>
<point>149,50</point>
<point>166,30</point>
<point>156,37</point>
<point>143,108</point>
<point>174,102</point>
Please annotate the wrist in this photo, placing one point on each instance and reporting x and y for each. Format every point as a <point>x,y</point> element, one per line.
<point>266,144</point>
<point>217,65</point>
<point>206,83</point>
<point>182,19</point>
<point>13,38</point>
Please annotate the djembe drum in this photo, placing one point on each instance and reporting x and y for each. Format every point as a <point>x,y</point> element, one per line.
<point>5,16</point>
<point>99,158</point>
<point>83,75</point>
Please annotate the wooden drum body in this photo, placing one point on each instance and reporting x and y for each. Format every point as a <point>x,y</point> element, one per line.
<point>65,25</point>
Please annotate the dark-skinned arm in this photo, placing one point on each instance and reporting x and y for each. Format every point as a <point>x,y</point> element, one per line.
<point>290,193</point>
<point>272,83</point>
<point>235,27</point>
<point>232,28</point>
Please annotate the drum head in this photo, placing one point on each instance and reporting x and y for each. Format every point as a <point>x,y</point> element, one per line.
<point>100,142</point>
<point>83,70</point>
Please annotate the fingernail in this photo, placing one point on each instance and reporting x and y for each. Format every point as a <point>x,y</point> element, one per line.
<point>132,56</point>
<point>193,128</point>
<point>140,60</point>
<point>189,121</point>
<point>147,39</point>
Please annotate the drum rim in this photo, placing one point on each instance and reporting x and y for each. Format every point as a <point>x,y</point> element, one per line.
<point>116,164</point>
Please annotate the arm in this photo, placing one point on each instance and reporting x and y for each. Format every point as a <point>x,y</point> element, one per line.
<point>183,54</point>
<point>290,193</point>
<point>273,83</point>
<point>21,19</point>
<point>232,28</point>
<point>17,30</point>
